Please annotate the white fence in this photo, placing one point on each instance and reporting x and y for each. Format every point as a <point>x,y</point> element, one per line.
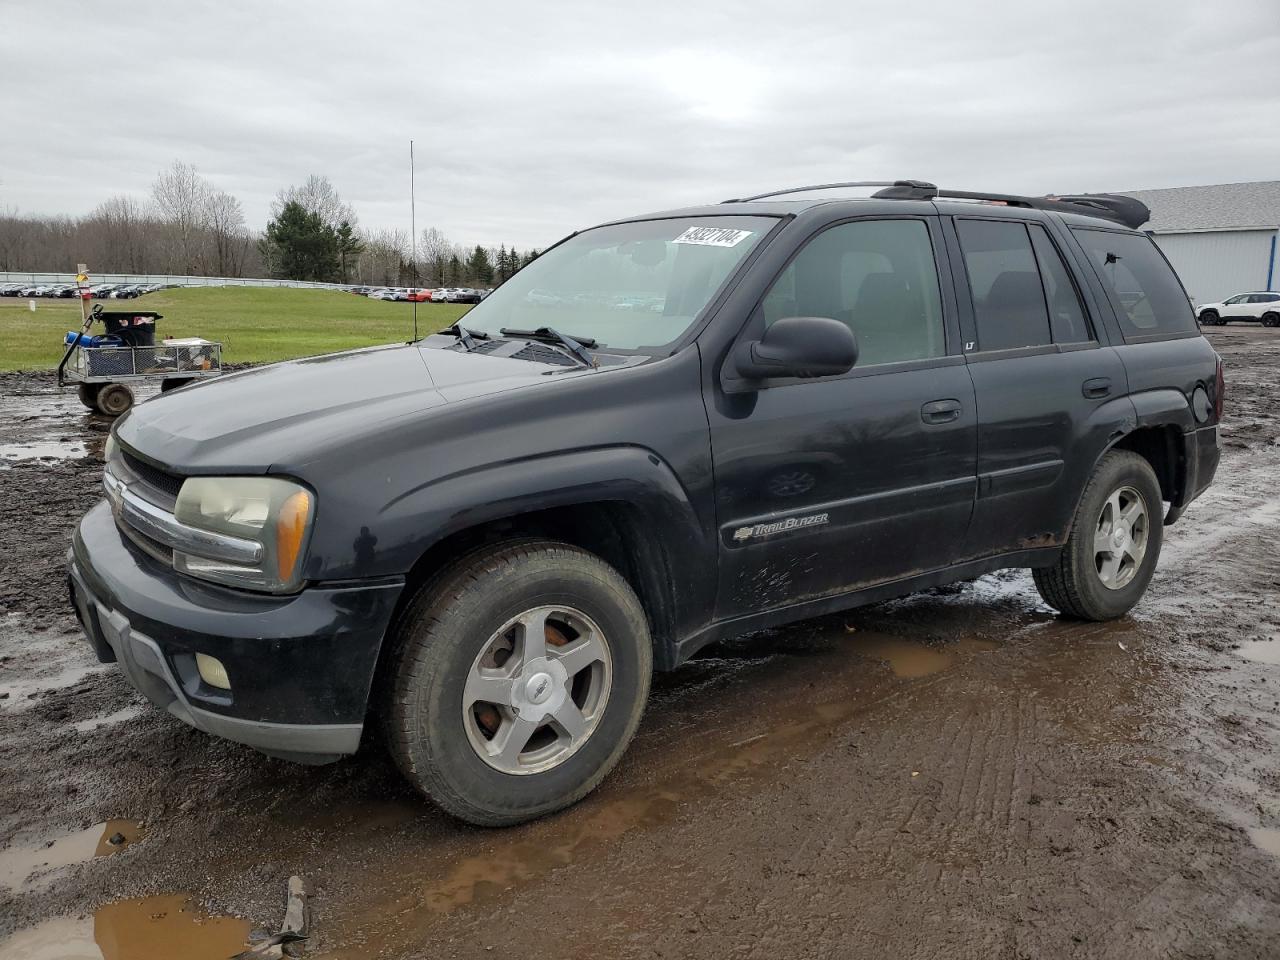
<point>19,276</point>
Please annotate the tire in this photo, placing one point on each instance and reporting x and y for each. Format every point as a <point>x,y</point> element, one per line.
<point>1271,319</point>
<point>449,642</point>
<point>173,384</point>
<point>1077,584</point>
<point>114,399</point>
<point>1210,318</point>
<point>88,394</point>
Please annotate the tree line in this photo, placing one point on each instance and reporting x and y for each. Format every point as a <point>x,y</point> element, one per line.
<point>187,226</point>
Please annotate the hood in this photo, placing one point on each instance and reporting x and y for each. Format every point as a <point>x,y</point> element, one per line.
<point>244,422</point>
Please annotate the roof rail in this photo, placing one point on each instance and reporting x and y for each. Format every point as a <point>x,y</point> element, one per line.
<point>891,184</point>
<point>1128,211</point>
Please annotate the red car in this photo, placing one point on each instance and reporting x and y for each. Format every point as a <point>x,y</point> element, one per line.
<point>419,296</point>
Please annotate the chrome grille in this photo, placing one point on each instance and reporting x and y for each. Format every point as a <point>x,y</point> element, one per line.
<point>151,483</point>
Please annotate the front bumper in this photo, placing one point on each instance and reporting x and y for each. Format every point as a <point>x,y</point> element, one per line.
<point>300,666</point>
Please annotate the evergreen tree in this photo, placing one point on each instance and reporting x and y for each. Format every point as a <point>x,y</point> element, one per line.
<point>502,265</point>
<point>479,266</point>
<point>453,271</point>
<point>299,245</point>
<point>529,257</point>
<point>350,246</point>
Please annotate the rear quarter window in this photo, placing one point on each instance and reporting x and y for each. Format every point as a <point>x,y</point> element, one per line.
<point>1148,298</point>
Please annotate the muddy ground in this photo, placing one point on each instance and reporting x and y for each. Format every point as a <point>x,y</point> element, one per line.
<point>955,774</point>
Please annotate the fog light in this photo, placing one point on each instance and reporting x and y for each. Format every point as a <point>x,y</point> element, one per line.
<point>212,671</point>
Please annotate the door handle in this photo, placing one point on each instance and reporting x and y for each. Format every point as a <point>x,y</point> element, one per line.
<point>941,411</point>
<point>1097,388</point>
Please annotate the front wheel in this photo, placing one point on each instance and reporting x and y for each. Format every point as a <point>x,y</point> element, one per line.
<point>1210,318</point>
<point>517,681</point>
<point>1114,545</point>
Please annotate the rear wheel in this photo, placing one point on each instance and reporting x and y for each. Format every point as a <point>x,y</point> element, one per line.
<point>88,394</point>
<point>1271,319</point>
<point>517,681</point>
<point>1114,545</point>
<point>114,399</point>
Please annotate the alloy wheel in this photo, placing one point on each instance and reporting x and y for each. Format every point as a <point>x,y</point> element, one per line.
<point>537,690</point>
<point>1120,537</point>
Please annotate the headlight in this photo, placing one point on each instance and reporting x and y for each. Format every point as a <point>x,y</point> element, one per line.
<point>110,449</point>
<point>269,511</point>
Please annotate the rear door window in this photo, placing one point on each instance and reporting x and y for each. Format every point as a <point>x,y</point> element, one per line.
<point>1143,288</point>
<point>1008,298</point>
<point>1066,312</point>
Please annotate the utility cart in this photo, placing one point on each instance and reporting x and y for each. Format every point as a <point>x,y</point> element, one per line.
<point>103,367</point>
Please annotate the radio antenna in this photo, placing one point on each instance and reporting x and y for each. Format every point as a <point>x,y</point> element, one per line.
<point>413,228</point>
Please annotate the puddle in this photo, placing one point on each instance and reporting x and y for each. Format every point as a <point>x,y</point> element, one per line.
<point>1261,651</point>
<point>148,928</point>
<point>43,450</point>
<point>19,864</point>
<point>910,659</point>
<point>108,719</point>
<point>1266,838</point>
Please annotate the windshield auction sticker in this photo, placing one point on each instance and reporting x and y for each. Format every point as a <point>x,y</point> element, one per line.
<point>713,236</point>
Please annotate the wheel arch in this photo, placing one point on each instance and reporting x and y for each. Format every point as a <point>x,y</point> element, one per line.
<point>1161,445</point>
<point>622,504</point>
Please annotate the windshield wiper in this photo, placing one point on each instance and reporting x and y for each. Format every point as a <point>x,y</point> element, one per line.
<point>575,345</point>
<point>466,337</point>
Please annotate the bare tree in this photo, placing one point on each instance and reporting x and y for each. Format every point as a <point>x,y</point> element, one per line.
<point>318,195</point>
<point>15,234</point>
<point>435,249</point>
<point>384,257</point>
<point>120,227</point>
<point>181,197</point>
<point>227,233</point>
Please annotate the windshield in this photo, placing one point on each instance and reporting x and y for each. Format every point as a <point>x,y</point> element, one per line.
<point>630,286</point>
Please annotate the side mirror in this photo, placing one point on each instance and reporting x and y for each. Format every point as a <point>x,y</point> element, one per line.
<point>798,347</point>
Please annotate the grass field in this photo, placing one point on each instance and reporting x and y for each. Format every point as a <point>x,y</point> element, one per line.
<point>254,324</point>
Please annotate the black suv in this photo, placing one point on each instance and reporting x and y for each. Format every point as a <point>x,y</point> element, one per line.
<point>663,431</point>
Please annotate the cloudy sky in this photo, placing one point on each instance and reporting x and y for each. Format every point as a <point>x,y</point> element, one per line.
<point>533,119</point>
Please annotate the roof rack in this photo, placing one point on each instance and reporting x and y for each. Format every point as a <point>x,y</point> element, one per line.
<point>1118,208</point>
<point>915,184</point>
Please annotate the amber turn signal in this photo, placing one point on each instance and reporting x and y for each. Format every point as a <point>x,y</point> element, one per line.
<point>291,527</point>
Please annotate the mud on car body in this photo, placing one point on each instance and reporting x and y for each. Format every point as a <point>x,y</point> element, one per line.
<point>486,540</point>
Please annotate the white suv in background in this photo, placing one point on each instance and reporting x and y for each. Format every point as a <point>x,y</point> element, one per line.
<point>1243,306</point>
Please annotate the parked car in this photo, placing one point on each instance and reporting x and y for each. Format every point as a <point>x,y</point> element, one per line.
<point>381,293</point>
<point>10,289</point>
<point>440,295</point>
<point>1258,307</point>
<point>418,296</point>
<point>489,538</point>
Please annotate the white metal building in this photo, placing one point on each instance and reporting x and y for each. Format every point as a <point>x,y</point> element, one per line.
<point>1222,239</point>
